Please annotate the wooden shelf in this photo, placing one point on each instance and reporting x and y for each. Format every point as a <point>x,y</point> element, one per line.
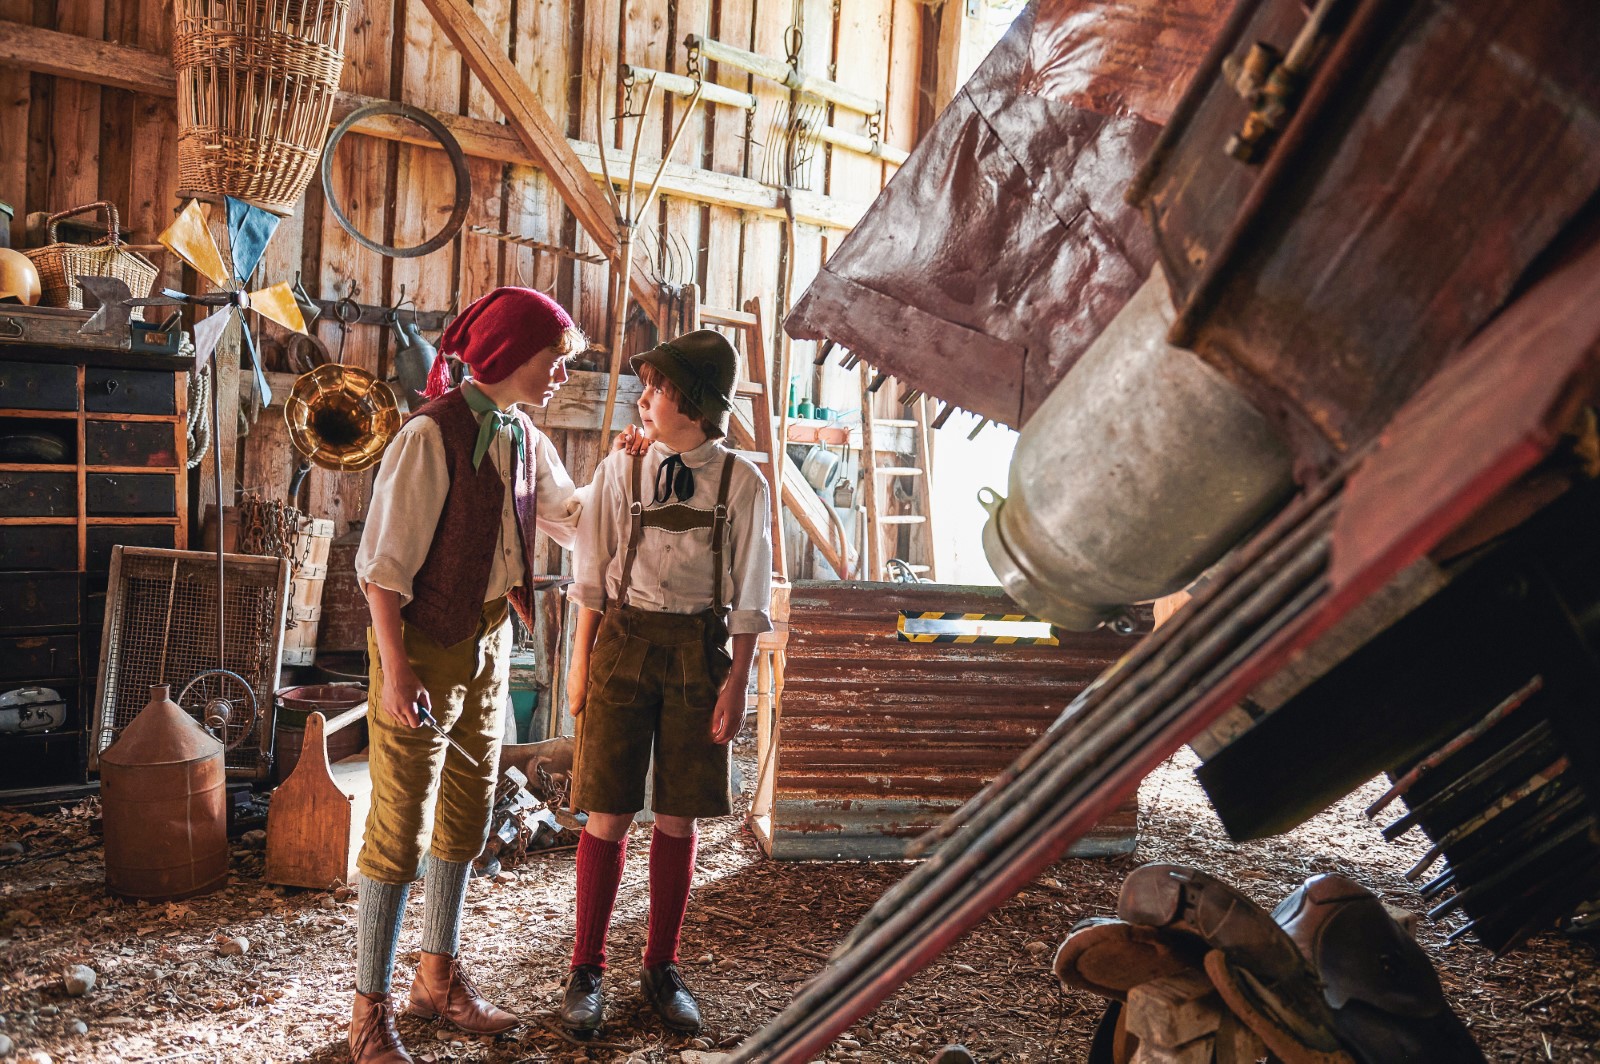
<point>102,415</point>
<point>115,520</point>
<point>38,467</point>
<point>63,415</point>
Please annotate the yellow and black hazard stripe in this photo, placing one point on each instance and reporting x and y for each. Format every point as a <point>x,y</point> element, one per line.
<point>952,637</point>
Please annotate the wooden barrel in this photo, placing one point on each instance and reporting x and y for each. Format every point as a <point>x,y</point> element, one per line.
<point>305,594</point>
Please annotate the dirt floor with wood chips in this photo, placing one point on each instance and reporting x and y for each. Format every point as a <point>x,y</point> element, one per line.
<point>167,991</point>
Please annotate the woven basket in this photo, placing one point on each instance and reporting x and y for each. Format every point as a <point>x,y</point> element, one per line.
<point>61,264</point>
<point>256,85</point>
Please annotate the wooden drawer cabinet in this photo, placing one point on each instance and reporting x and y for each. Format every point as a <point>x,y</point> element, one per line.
<point>130,443</point>
<point>39,547</point>
<point>127,391</point>
<point>38,494</point>
<point>38,600</point>
<point>133,494</point>
<point>103,537</point>
<point>38,386</point>
<point>38,657</point>
<point>123,481</point>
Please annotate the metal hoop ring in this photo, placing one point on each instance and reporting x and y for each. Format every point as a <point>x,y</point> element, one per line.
<point>452,149</point>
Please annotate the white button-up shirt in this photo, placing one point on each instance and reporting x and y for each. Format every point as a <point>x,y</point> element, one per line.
<point>408,498</point>
<point>672,572</point>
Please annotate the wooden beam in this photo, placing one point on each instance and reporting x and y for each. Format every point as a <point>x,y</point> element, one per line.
<point>139,70</point>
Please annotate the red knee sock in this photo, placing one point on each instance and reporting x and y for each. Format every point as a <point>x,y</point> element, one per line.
<point>671,871</point>
<point>599,872</point>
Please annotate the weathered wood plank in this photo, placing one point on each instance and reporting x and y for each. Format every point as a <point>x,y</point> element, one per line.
<point>103,63</point>
<point>16,98</point>
<point>431,78</point>
<point>75,117</point>
<point>534,127</point>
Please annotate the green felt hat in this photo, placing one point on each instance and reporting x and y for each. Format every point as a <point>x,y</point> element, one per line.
<point>703,366</point>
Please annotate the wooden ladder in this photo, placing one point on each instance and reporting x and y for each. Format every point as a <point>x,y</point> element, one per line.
<point>764,446</point>
<point>874,477</point>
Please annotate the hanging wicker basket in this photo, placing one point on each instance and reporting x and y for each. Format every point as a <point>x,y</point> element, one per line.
<point>256,85</point>
<point>61,264</point>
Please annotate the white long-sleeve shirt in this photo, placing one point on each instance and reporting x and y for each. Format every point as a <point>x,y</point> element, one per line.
<point>408,497</point>
<point>672,572</point>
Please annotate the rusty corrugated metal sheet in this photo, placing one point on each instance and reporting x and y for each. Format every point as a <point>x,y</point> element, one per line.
<point>879,739</point>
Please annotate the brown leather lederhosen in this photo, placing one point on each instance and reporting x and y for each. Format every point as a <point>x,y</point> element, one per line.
<point>649,691</point>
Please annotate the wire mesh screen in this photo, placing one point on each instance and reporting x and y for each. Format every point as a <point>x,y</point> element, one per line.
<point>161,627</point>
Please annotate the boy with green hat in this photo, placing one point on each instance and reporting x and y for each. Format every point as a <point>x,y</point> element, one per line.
<point>673,558</point>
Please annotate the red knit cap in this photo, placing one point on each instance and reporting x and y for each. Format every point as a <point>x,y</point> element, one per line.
<point>497,333</point>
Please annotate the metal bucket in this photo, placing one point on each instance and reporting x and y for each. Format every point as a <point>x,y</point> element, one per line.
<point>164,803</point>
<point>295,704</point>
<point>1140,470</point>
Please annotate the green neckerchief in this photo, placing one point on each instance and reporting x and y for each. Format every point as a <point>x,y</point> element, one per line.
<point>490,422</point>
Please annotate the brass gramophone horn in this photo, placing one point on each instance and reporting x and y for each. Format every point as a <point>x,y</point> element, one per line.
<point>341,417</point>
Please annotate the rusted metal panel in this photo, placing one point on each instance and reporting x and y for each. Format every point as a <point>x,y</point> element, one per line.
<point>1436,151</point>
<point>1006,232</point>
<point>879,738</point>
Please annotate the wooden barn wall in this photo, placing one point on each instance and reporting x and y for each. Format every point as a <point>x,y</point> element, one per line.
<point>64,142</point>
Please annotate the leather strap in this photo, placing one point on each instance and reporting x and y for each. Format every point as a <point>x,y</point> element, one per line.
<point>637,522</point>
<point>635,528</point>
<point>719,528</point>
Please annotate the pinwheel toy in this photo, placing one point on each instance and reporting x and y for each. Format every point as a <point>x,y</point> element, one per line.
<point>250,229</point>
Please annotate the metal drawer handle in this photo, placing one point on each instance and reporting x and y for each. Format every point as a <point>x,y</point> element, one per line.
<point>111,386</point>
<point>12,329</point>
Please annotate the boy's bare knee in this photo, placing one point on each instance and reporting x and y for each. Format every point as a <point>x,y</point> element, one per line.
<point>609,826</point>
<point>677,826</point>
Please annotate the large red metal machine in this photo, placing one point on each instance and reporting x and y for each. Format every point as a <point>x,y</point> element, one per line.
<point>1378,225</point>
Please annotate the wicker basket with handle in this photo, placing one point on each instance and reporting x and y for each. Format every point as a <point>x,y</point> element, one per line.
<point>61,264</point>
<point>256,86</point>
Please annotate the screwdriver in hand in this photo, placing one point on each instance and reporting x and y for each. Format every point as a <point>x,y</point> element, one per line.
<point>427,718</point>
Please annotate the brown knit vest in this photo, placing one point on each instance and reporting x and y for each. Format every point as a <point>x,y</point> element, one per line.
<point>448,591</point>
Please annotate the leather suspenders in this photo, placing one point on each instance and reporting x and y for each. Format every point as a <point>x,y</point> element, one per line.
<point>680,518</point>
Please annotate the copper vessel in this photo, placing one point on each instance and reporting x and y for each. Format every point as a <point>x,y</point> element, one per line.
<point>164,802</point>
<point>295,704</point>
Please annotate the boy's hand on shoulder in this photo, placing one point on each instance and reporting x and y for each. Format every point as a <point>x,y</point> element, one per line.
<point>727,720</point>
<point>401,693</point>
<point>632,440</point>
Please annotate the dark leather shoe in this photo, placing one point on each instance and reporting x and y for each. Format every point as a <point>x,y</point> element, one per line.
<point>663,988</point>
<point>584,1004</point>
<point>1386,999</point>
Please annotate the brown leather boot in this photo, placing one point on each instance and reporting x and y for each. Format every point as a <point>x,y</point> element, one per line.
<point>373,1039</point>
<point>441,989</point>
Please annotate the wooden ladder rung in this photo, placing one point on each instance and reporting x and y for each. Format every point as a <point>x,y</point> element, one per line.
<point>723,316</point>
<point>898,519</point>
<point>758,457</point>
<point>899,471</point>
<point>748,389</point>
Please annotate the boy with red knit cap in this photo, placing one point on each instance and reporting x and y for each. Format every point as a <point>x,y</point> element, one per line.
<point>674,556</point>
<point>446,553</point>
